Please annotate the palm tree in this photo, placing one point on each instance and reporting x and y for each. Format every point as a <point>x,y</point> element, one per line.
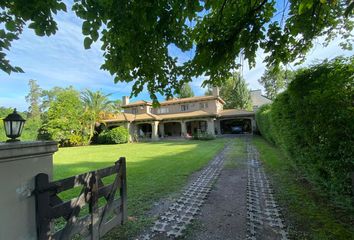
<point>95,103</point>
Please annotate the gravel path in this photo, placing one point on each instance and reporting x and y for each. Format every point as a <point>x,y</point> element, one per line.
<point>224,203</point>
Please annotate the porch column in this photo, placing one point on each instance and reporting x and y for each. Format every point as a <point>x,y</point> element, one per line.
<point>217,126</point>
<point>183,129</point>
<point>154,134</point>
<point>211,126</point>
<point>253,125</point>
<point>162,130</point>
<point>128,126</point>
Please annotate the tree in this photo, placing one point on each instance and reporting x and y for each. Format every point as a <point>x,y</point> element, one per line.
<point>208,91</point>
<point>235,93</point>
<point>95,103</point>
<point>274,81</point>
<point>220,32</point>
<point>186,91</point>
<point>65,116</point>
<point>33,99</point>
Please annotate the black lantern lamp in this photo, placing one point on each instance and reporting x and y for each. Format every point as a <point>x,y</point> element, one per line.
<point>13,124</point>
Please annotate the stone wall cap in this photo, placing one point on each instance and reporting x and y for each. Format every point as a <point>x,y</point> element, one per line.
<point>20,150</point>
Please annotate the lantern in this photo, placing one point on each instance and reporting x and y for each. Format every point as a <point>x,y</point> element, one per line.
<point>13,124</point>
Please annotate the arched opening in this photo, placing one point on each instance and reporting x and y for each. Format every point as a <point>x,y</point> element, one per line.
<point>194,127</point>
<point>144,130</point>
<point>236,126</point>
<point>172,129</point>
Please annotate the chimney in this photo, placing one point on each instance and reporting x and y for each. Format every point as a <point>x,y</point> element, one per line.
<point>125,100</point>
<point>216,92</point>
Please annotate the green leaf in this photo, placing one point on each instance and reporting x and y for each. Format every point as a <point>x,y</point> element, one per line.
<point>62,6</point>
<point>86,28</point>
<point>11,26</point>
<point>87,42</point>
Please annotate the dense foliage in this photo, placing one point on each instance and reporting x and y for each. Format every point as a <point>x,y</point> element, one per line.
<point>205,136</point>
<point>313,122</point>
<point>234,92</point>
<point>186,91</point>
<point>274,80</point>
<point>137,36</point>
<point>114,136</point>
<point>65,115</point>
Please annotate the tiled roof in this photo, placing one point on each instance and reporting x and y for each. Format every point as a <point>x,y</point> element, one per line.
<point>176,100</point>
<point>191,99</point>
<point>258,99</point>
<point>180,115</point>
<point>137,103</point>
<point>234,112</point>
<point>124,117</point>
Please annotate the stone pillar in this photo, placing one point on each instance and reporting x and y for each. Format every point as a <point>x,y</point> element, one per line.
<point>211,127</point>
<point>253,125</point>
<point>154,134</point>
<point>217,126</point>
<point>183,129</point>
<point>20,162</point>
<point>162,130</point>
<point>128,126</point>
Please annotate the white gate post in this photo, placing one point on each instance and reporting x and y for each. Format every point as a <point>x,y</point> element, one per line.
<point>20,162</point>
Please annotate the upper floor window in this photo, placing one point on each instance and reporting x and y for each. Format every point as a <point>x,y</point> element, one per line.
<point>134,110</point>
<point>203,105</point>
<point>162,110</point>
<point>184,107</point>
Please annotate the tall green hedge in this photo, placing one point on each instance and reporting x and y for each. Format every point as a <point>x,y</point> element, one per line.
<point>313,121</point>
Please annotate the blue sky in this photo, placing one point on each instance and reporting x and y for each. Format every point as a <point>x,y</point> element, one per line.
<point>61,60</point>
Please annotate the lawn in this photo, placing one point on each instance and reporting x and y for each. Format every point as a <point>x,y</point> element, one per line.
<point>311,215</point>
<point>154,170</point>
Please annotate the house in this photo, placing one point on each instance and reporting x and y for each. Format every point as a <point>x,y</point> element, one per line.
<point>182,117</point>
<point>258,99</point>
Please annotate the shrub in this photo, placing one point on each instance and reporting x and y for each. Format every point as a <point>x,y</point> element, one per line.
<point>313,122</point>
<point>114,136</point>
<point>203,136</point>
<point>77,140</point>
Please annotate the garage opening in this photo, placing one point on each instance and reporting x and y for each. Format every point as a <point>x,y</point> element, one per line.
<point>236,126</point>
<point>144,130</point>
<point>172,129</point>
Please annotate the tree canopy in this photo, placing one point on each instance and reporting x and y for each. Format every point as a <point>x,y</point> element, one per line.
<point>235,92</point>
<point>274,81</point>
<point>186,91</point>
<point>136,35</point>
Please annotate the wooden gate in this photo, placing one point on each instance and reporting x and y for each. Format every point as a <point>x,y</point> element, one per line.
<point>107,208</point>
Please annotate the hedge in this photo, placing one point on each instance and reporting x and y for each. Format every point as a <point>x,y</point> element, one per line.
<point>313,121</point>
<point>114,136</point>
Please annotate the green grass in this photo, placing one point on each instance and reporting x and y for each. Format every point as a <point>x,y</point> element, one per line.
<point>154,170</point>
<point>238,150</point>
<point>311,216</point>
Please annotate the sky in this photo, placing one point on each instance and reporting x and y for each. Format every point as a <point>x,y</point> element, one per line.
<point>61,60</point>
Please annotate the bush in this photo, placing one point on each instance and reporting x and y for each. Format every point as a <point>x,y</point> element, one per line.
<point>313,122</point>
<point>114,136</point>
<point>203,136</point>
<point>77,140</point>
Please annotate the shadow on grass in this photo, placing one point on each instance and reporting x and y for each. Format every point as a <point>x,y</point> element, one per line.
<point>148,180</point>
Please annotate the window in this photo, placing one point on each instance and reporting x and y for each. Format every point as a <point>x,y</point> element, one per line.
<point>134,110</point>
<point>184,107</point>
<point>162,110</point>
<point>203,105</point>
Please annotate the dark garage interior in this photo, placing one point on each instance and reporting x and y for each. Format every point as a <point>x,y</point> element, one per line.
<point>235,126</point>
